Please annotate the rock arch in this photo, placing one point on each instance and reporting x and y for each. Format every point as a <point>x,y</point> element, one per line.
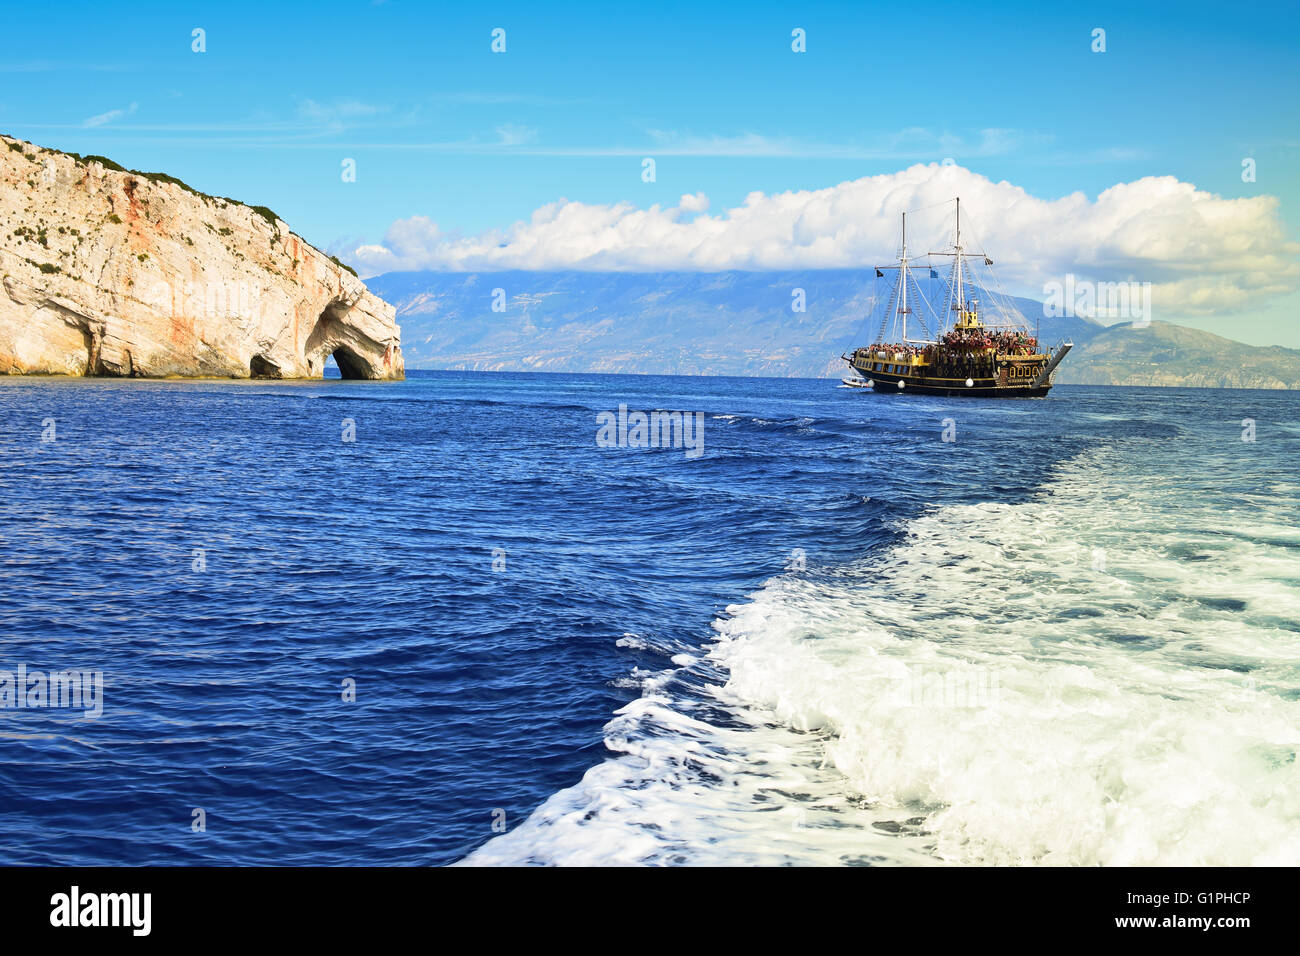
<point>360,350</point>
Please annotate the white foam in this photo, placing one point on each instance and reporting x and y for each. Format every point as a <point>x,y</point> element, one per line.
<point>1106,674</point>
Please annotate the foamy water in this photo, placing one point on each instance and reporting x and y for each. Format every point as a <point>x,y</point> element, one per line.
<point>1106,673</point>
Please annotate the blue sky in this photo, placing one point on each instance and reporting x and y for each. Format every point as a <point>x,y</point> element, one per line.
<point>439,126</point>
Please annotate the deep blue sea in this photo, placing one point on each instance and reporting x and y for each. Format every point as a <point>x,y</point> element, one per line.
<point>857,628</point>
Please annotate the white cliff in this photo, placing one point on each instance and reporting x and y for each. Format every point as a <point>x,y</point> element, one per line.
<point>111,272</point>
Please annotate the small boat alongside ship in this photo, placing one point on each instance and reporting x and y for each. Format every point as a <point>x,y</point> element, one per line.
<point>965,356</point>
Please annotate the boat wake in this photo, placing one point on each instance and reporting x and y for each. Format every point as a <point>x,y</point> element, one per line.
<point>1104,674</point>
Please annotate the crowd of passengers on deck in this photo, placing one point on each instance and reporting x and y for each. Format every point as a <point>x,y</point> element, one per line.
<point>975,340</point>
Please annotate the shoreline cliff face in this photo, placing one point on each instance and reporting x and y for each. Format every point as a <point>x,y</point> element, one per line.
<point>105,271</point>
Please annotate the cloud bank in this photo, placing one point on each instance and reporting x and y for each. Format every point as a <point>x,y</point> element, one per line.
<point>1201,252</point>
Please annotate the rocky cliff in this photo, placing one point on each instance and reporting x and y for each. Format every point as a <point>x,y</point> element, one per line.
<point>108,271</point>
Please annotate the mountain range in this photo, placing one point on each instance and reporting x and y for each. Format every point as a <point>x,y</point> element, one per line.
<point>747,323</point>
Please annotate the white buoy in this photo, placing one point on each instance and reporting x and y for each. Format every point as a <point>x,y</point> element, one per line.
<point>901,383</point>
<point>871,383</point>
<point>969,382</point>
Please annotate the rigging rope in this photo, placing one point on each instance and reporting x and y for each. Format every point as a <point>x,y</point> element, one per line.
<point>1019,322</point>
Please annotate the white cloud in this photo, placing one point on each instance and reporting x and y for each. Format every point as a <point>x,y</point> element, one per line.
<point>1200,251</point>
<point>696,203</point>
<point>101,119</point>
<point>512,134</point>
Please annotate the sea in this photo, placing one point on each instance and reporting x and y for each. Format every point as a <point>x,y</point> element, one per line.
<point>463,619</point>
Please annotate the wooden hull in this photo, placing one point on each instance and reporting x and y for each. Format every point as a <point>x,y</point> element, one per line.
<point>887,383</point>
<point>986,388</point>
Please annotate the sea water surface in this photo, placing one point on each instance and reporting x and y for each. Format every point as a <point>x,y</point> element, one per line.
<point>1068,635</point>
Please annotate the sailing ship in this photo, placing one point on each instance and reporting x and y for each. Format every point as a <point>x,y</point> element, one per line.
<point>965,356</point>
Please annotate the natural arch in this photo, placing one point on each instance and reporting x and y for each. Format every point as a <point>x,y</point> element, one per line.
<point>331,336</point>
<point>350,364</point>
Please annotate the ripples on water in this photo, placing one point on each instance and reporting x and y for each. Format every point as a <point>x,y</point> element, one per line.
<point>1067,637</point>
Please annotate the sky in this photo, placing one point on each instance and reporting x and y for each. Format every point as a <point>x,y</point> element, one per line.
<point>1122,165</point>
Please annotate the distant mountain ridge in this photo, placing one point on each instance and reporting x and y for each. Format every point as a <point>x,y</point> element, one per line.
<point>1167,354</point>
<point>742,323</point>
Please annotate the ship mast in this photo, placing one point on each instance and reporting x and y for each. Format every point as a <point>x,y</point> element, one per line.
<point>902,277</point>
<point>961,301</point>
<point>965,318</point>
